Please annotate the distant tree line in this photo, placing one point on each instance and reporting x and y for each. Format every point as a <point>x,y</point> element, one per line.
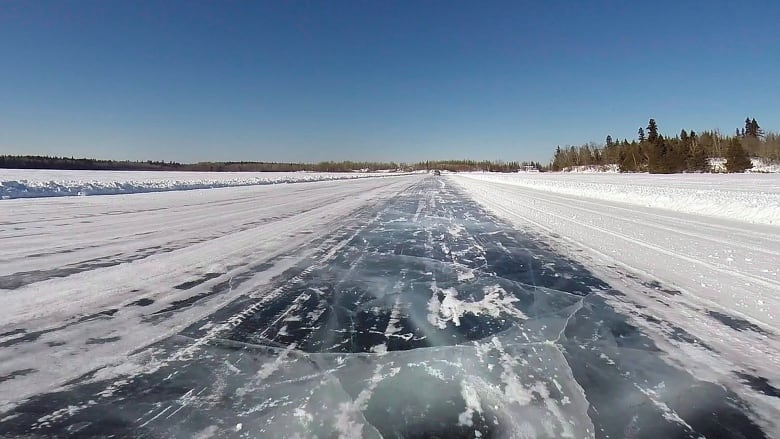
<point>329,166</point>
<point>47,162</point>
<point>476,165</point>
<point>688,151</point>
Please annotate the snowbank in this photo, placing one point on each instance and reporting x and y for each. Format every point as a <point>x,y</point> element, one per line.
<point>759,165</point>
<point>743,197</point>
<point>717,164</point>
<point>589,169</point>
<point>31,183</point>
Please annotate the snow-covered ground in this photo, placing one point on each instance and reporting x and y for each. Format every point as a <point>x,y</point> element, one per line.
<point>701,251</point>
<point>76,269</point>
<point>717,164</point>
<point>589,169</point>
<point>29,183</point>
<point>372,306</point>
<point>759,165</point>
<point>752,198</point>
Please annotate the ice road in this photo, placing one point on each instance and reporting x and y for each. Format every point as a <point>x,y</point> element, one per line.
<point>392,307</point>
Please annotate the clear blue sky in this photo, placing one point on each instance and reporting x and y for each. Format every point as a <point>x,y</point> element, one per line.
<point>375,80</point>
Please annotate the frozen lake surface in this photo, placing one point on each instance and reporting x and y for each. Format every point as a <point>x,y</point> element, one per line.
<point>403,307</point>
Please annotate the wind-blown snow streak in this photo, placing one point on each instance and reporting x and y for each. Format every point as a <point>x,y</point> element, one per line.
<point>752,198</point>
<point>34,183</point>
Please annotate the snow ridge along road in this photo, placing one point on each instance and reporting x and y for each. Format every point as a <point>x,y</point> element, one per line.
<point>34,183</point>
<point>372,308</point>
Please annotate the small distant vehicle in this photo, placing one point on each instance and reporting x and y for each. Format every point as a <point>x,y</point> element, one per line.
<point>436,172</point>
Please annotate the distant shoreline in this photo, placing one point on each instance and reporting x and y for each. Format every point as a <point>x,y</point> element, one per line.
<point>88,164</point>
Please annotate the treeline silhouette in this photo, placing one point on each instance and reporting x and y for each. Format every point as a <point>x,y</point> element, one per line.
<point>330,166</point>
<point>48,162</point>
<point>476,165</point>
<point>687,151</point>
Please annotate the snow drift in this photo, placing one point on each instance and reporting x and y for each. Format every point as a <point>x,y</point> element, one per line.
<point>32,183</point>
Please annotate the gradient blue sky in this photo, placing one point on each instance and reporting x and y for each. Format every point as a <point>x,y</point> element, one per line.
<point>375,80</point>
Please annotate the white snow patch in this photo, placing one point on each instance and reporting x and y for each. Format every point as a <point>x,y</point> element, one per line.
<point>206,433</point>
<point>495,302</point>
<point>379,349</point>
<point>718,164</point>
<point>473,405</point>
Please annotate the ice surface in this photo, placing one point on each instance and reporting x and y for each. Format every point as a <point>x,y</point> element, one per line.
<point>377,333</point>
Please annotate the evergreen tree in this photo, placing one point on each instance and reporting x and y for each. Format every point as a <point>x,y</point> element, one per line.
<point>660,156</point>
<point>627,158</point>
<point>696,156</point>
<point>641,135</point>
<point>752,129</point>
<point>755,130</point>
<point>737,159</point>
<point>696,160</point>
<point>609,141</point>
<point>652,131</point>
<point>559,161</point>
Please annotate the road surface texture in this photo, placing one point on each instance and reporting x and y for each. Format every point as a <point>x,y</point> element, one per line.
<point>393,307</point>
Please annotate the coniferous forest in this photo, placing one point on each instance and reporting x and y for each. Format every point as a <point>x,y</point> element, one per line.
<point>687,151</point>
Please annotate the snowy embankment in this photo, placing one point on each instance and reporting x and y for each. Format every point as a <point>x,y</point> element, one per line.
<point>753,198</point>
<point>33,183</point>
